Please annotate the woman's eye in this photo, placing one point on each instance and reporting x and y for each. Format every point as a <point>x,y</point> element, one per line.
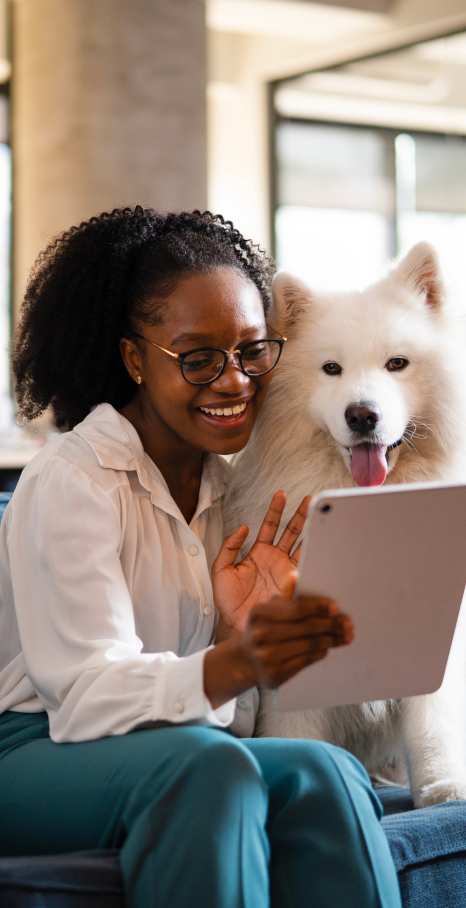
<point>397,364</point>
<point>256,352</point>
<point>332,369</point>
<point>194,364</point>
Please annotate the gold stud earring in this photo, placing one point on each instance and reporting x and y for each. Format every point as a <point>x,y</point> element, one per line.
<point>138,380</point>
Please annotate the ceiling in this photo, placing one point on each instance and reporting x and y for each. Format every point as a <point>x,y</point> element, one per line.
<point>302,20</point>
<point>374,6</point>
<point>419,87</point>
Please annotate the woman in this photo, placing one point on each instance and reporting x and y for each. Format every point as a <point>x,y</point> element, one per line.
<point>130,643</point>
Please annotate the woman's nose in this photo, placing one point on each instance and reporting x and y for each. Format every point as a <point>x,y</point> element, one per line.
<point>232,378</point>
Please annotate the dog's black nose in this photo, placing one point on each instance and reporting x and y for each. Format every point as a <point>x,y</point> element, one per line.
<point>362,418</point>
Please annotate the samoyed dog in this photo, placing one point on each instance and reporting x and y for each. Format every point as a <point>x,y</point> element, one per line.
<point>370,389</point>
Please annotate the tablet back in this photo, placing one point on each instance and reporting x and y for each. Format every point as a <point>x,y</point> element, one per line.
<point>394,560</point>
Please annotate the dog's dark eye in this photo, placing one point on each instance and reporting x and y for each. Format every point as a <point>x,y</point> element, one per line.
<point>332,369</point>
<point>397,364</point>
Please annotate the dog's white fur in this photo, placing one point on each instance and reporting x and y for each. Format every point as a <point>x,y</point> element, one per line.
<point>300,444</point>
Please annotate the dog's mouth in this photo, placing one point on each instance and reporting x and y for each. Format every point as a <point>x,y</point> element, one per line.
<point>369,462</point>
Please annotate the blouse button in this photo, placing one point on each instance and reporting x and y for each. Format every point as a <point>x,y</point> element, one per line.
<point>207,610</point>
<point>179,707</point>
<point>193,550</point>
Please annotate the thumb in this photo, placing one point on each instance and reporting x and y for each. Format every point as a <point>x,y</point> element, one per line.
<point>230,548</point>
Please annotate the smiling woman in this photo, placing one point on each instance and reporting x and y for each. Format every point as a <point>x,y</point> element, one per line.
<point>169,390</point>
<point>122,267</point>
<point>123,608</point>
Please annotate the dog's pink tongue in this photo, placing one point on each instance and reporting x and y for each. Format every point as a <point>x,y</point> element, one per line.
<point>369,465</point>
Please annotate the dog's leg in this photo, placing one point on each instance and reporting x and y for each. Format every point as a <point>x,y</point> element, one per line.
<point>436,768</point>
<point>434,733</point>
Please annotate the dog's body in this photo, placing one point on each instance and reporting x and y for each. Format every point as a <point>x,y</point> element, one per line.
<point>371,386</point>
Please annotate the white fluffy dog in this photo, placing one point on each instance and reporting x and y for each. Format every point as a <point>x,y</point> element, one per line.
<point>370,388</point>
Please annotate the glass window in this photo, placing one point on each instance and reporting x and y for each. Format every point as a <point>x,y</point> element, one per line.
<point>336,203</point>
<point>350,195</point>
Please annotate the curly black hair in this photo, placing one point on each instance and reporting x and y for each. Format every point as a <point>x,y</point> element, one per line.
<point>94,284</point>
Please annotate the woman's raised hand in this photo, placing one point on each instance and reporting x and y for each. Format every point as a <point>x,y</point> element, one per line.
<point>267,570</point>
<point>265,636</point>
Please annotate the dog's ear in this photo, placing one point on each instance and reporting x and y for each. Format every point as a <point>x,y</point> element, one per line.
<point>290,298</point>
<point>421,270</point>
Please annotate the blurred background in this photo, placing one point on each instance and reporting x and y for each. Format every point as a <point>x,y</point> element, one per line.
<point>332,133</point>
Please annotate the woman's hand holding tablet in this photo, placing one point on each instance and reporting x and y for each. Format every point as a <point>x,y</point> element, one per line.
<point>283,636</point>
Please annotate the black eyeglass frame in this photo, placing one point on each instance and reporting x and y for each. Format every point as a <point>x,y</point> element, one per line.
<point>225,353</point>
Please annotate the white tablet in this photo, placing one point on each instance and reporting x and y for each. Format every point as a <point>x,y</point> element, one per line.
<point>394,560</point>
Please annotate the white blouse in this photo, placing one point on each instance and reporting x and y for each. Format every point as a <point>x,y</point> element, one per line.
<point>106,603</point>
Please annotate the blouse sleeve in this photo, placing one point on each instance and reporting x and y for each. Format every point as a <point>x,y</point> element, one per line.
<point>76,620</point>
<point>247,706</point>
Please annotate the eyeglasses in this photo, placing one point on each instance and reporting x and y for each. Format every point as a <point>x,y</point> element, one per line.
<point>206,364</point>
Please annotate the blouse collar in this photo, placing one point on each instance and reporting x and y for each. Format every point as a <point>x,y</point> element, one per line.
<point>117,446</point>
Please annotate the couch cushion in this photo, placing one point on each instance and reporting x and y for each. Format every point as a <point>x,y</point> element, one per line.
<point>425,835</point>
<point>395,800</point>
<point>84,878</point>
<point>435,884</point>
<point>428,848</point>
<point>4,499</point>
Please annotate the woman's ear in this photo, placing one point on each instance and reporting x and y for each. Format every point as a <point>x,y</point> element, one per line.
<point>290,298</point>
<point>131,357</point>
<point>420,271</point>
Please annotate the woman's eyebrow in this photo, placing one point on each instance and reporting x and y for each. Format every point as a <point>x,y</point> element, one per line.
<point>193,336</point>
<point>186,336</point>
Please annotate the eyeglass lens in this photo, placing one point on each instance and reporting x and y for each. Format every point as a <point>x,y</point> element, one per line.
<point>205,365</point>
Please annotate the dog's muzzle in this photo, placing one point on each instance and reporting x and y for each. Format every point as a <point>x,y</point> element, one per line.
<point>394,445</point>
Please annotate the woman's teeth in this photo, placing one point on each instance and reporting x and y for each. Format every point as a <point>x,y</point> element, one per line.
<point>226,411</point>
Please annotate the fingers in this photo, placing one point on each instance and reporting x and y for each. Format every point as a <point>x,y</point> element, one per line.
<point>282,609</point>
<point>275,665</point>
<point>291,668</point>
<point>271,521</point>
<point>295,527</point>
<point>305,659</point>
<point>291,648</point>
<point>282,636</point>
<point>230,549</point>
<point>336,627</point>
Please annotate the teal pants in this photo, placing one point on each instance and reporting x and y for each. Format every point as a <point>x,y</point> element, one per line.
<point>201,818</point>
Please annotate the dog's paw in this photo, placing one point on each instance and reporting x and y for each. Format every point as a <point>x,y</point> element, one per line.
<point>440,792</point>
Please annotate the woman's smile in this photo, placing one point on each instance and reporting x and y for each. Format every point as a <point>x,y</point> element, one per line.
<point>231,415</point>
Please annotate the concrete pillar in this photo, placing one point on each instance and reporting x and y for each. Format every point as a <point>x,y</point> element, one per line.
<point>108,109</point>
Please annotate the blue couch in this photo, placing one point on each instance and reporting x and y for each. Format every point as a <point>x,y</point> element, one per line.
<point>428,848</point>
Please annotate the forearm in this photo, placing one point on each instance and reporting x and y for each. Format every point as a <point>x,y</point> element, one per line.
<point>228,672</point>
